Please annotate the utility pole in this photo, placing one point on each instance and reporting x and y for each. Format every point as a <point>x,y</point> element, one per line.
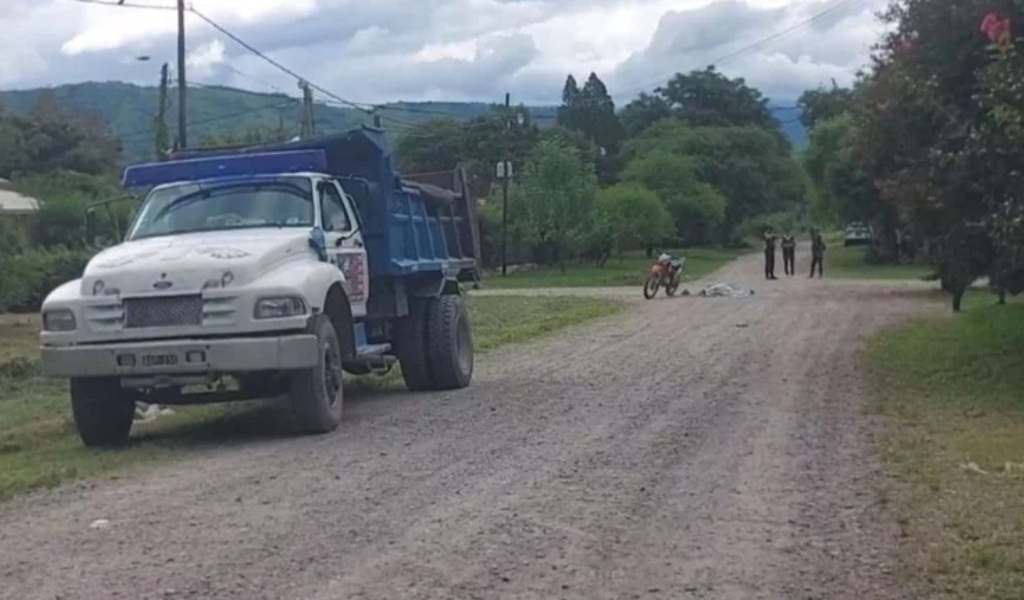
<point>161,138</point>
<point>308,120</point>
<point>506,172</point>
<point>182,96</point>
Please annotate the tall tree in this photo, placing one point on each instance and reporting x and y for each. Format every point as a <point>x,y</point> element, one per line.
<point>554,200</point>
<point>568,111</point>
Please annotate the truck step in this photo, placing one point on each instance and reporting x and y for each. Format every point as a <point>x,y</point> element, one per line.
<point>371,351</point>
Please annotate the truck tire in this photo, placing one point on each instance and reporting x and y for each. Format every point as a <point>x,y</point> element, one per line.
<point>411,346</point>
<point>317,394</point>
<point>103,410</point>
<point>450,343</point>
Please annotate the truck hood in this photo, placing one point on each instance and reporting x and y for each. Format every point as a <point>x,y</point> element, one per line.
<point>185,263</point>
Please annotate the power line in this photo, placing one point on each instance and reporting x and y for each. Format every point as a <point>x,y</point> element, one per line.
<point>235,115</point>
<point>275,63</point>
<point>116,4</point>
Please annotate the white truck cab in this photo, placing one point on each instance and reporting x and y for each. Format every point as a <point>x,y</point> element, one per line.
<point>249,275</point>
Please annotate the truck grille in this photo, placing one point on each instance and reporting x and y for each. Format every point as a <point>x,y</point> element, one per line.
<point>163,312</point>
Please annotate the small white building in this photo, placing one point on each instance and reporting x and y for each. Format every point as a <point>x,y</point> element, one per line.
<point>13,204</point>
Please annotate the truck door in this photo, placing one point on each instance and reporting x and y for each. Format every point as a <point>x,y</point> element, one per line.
<point>345,244</point>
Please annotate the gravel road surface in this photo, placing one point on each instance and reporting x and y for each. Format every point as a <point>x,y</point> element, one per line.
<point>687,448</point>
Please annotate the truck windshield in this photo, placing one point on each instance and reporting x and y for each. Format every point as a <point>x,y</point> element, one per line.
<point>191,208</point>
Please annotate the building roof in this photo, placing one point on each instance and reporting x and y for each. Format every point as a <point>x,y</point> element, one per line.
<point>11,202</point>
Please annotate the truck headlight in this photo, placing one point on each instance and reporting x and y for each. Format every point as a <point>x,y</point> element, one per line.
<point>277,307</point>
<point>59,320</point>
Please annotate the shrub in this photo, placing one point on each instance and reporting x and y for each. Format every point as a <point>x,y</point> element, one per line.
<point>26,278</point>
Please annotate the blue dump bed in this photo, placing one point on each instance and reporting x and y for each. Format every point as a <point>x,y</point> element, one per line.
<point>413,226</point>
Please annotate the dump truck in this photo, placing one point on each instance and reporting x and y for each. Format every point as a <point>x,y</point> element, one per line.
<point>267,272</point>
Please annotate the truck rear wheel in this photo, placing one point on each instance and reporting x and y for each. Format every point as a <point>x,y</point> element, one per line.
<point>450,343</point>
<point>103,410</point>
<point>411,346</point>
<point>317,393</point>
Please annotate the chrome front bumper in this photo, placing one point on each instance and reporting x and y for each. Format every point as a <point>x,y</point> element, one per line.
<point>182,356</point>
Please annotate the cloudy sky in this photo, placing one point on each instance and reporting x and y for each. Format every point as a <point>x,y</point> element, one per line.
<point>383,50</point>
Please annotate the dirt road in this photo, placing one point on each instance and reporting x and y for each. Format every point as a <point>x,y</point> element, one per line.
<point>690,448</point>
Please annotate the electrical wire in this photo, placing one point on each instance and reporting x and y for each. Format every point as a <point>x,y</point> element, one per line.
<point>235,115</point>
<point>116,4</point>
<point>277,64</point>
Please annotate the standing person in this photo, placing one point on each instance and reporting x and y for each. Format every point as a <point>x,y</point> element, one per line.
<point>817,253</point>
<point>789,254</point>
<point>769,254</point>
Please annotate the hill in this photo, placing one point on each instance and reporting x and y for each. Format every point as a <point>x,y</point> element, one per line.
<point>219,112</point>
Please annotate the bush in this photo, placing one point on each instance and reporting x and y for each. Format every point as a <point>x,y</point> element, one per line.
<point>26,278</point>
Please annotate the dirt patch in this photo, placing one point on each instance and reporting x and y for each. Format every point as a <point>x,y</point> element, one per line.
<point>665,452</point>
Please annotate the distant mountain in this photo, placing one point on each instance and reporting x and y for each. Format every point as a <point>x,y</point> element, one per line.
<point>216,111</point>
<point>789,120</point>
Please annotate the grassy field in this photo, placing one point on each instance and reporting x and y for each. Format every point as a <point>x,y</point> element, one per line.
<point>39,446</point>
<point>631,269</point>
<point>849,263</point>
<point>955,389</point>
<point>20,337</point>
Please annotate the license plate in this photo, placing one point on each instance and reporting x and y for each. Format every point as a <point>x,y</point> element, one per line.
<point>159,360</point>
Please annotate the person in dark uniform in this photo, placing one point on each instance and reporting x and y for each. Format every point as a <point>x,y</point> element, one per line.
<point>769,254</point>
<point>817,253</point>
<point>789,254</point>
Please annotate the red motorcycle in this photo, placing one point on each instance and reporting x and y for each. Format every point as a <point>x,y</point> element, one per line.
<point>667,272</point>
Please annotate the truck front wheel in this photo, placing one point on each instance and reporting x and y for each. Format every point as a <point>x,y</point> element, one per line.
<point>450,343</point>
<point>103,410</point>
<point>316,393</point>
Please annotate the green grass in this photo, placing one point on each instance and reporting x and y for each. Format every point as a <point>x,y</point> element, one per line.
<point>849,263</point>
<point>955,389</point>
<point>631,269</point>
<point>499,320</point>
<point>40,448</point>
<point>20,335</point>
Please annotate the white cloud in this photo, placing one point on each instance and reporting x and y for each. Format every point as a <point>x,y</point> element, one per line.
<point>203,60</point>
<point>441,49</point>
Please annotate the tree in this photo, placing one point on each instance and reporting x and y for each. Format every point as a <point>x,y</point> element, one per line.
<point>50,139</point>
<point>479,144</point>
<point>697,209</point>
<point>554,200</point>
<point>842,187</point>
<point>635,216</point>
<point>597,117</point>
<point>643,112</point>
<point>823,104</point>
<point>567,112</point>
<point>591,111</point>
<point>709,98</point>
<point>931,132</point>
<point>436,145</point>
<point>745,165</point>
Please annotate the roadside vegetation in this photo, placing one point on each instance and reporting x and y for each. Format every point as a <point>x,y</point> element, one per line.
<point>953,388</point>
<point>699,163</point>
<point>925,147</point>
<point>39,446</point>
<point>852,263</point>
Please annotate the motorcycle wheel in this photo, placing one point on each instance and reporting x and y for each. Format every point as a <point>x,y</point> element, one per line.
<point>651,287</point>
<point>672,287</point>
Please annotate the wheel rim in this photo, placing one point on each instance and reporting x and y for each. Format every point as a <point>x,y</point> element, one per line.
<point>652,287</point>
<point>332,374</point>
<point>464,349</point>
